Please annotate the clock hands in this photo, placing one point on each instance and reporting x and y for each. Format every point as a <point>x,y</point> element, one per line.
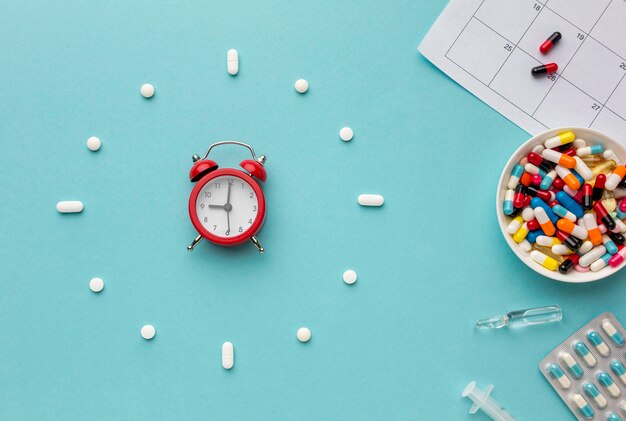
<point>217,206</point>
<point>226,206</point>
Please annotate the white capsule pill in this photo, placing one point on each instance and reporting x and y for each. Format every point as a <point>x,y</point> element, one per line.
<point>301,86</point>
<point>147,90</point>
<point>303,334</point>
<point>597,265</point>
<point>612,156</point>
<point>346,134</point>
<point>538,149</point>
<point>349,277</point>
<point>582,169</point>
<point>561,250</point>
<point>93,143</point>
<point>591,256</point>
<point>585,248</point>
<point>514,225</point>
<point>148,332</point>
<point>613,390</point>
<point>525,246</point>
<point>96,285</point>
<point>228,355</point>
<point>371,200</point>
<point>579,143</point>
<point>528,214</point>
<point>232,62</point>
<point>70,206</point>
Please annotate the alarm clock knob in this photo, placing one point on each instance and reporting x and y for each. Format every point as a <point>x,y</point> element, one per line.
<point>201,168</point>
<point>255,168</point>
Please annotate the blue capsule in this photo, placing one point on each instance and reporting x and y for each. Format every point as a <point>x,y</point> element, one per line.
<point>619,370</point>
<point>619,213</point>
<point>547,180</point>
<point>579,177</point>
<point>507,206</point>
<point>570,204</point>
<point>596,340</point>
<point>592,392</point>
<point>583,352</point>
<point>611,248</point>
<point>613,417</point>
<point>536,202</point>
<point>532,235</point>
<point>559,210</point>
<point>610,330</point>
<point>558,374</point>
<point>606,381</point>
<point>572,366</point>
<point>582,406</point>
<point>517,172</point>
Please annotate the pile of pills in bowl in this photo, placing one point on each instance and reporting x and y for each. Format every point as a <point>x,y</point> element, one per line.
<point>562,201</point>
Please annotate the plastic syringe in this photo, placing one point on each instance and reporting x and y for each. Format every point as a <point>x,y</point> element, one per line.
<point>526,317</point>
<point>483,401</point>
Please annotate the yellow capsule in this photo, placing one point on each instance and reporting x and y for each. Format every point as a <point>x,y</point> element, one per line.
<point>604,168</point>
<point>609,204</point>
<point>562,139</point>
<point>544,260</point>
<point>521,233</point>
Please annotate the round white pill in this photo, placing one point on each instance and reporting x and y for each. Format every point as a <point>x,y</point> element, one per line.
<point>96,284</point>
<point>349,277</point>
<point>70,206</point>
<point>301,86</point>
<point>148,332</point>
<point>93,143</point>
<point>303,334</point>
<point>346,134</point>
<point>147,90</point>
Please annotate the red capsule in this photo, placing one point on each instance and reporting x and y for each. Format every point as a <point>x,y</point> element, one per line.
<point>558,183</point>
<point>526,179</point>
<point>554,202</point>
<point>518,199</point>
<point>587,196</point>
<point>550,42</point>
<point>622,205</point>
<point>536,179</point>
<point>603,215</point>
<point>569,151</point>
<point>545,68</point>
<point>534,158</point>
<point>533,225</point>
<point>598,187</point>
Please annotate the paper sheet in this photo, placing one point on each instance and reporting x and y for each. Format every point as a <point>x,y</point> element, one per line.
<point>489,47</point>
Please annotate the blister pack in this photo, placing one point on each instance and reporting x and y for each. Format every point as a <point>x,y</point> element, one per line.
<point>588,370</point>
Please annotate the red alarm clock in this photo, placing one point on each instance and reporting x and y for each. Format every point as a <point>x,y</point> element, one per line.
<point>227,205</point>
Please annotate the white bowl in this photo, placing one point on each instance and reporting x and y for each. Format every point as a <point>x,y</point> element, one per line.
<point>592,137</point>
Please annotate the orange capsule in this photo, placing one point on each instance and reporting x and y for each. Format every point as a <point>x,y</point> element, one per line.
<point>595,236</point>
<point>559,158</point>
<point>569,227</point>
<point>526,179</point>
<point>567,176</point>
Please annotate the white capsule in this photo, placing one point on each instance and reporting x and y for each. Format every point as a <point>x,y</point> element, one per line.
<point>514,225</point>
<point>561,250</point>
<point>613,390</point>
<point>93,143</point>
<point>619,193</point>
<point>597,265</point>
<point>579,143</point>
<point>232,62</point>
<point>96,284</point>
<point>579,401</point>
<point>528,214</point>
<point>591,256</point>
<point>301,86</point>
<point>582,169</point>
<point>371,200</point>
<point>608,327</point>
<point>525,245</point>
<point>346,134</point>
<point>303,334</point>
<point>619,226</point>
<point>147,90</point>
<point>538,149</point>
<point>585,247</point>
<point>612,156</point>
<point>228,355</point>
<point>544,240</point>
<point>349,277</point>
<point>579,232</point>
<point>531,168</point>
<point>70,206</point>
<point>148,332</point>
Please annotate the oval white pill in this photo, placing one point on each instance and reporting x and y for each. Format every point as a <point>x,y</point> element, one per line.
<point>148,332</point>
<point>232,62</point>
<point>371,200</point>
<point>346,134</point>
<point>349,277</point>
<point>301,86</point>
<point>96,284</point>
<point>93,143</point>
<point>147,90</point>
<point>228,355</point>
<point>70,206</point>
<point>303,334</point>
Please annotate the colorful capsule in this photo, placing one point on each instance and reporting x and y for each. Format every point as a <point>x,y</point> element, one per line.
<point>568,264</point>
<point>544,260</point>
<point>590,150</point>
<point>612,156</point>
<point>558,158</point>
<point>618,258</point>
<point>569,227</point>
<point>558,183</point>
<point>514,225</point>
<point>592,392</point>
<point>532,235</point>
<point>547,180</point>
<point>602,262</point>
<point>545,68</point>
<point>528,214</point>
<point>610,330</point>
<point>533,225</point>
<point>619,370</point>
<point>563,213</point>
<point>615,178</point>
<point>598,187</point>
<point>557,374</point>
<point>516,173</point>
<point>596,340</point>
<point>544,221</point>
<point>602,214</point>
<point>617,237</point>
<point>544,240</point>
<point>525,179</point>
<point>568,177</point>
<point>577,195</point>
<point>582,169</point>
<point>532,169</point>
<point>535,180</point>
<point>507,206</point>
<point>570,204</point>
<point>583,352</point>
<point>525,245</point>
<point>546,196</point>
<point>587,196</point>
<point>572,366</point>
<point>561,250</point>
<point>613,417</point>
<point>558,140</point>
<point>521,233</point>
<point>611,248</point>
<point>584,248</point>
<point>591,256</point>
<point>582,405</point>
<point>537,202</point>
<point>606,381</point>
<point>569,240</point>
<point>592,229</point>
<point>548,44</point>
<point>518,199</point>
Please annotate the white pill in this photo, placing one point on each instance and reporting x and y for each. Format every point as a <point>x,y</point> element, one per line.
<point>228,355</point>
<point>371,200</point>
<point>93,143</point>
<point>70,206</point>
<point>147,90</point>
<point>303,334</point>
<point>349,277</point>
<point>148,331</point>
<point>301,86</point>
<point>346,134</point>
<point>232,62</point>
<point>525,246</point>
<point>528,214</point>
<point>96,285</point>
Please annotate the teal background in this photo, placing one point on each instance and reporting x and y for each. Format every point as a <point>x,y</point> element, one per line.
<point>399,344</point>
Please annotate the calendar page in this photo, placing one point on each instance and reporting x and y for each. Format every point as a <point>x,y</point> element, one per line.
<point>490,46</point>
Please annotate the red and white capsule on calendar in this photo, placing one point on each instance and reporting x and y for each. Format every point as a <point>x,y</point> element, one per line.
<point>227,205</point>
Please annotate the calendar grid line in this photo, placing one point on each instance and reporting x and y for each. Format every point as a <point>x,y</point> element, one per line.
<point>609,98</point>
<point>462,30</point>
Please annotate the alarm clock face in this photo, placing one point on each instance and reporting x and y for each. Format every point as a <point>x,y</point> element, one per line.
<point>227,206</point>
